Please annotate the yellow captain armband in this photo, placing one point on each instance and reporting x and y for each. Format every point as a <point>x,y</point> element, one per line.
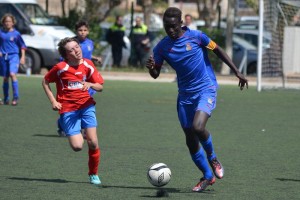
<point>211,45</point>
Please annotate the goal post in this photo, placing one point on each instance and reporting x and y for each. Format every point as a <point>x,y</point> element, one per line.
<point>275,16</point>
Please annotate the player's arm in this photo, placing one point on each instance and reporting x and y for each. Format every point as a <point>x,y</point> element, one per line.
<point>95,80</point>
<point>154,70</point>
<point>22,59</point>
<point>225,58</point>
<point>55,105</point>
<point>95,86</point>
<point>97,59</point>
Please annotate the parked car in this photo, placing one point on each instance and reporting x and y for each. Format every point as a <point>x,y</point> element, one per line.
<point>40,32</point>
<point>241,48</point>
<point>252,36</point>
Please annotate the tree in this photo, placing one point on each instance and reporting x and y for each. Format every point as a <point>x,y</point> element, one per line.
<point>230,23</point>
<point>209,11</point>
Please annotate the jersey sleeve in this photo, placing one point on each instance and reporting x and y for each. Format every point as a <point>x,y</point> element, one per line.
<point>20,41</point>
<point>207,42</point>
<point>157,55</point>
<point>94,76</point>
<point>52,75</point>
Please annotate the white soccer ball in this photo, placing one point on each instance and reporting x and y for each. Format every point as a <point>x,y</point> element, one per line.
<point>159,174</point>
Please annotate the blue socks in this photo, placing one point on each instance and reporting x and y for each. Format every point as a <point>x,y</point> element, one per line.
<point>200,160</point>
<point>209,148</point>
<point>5,87</point>
<point>15,87</point>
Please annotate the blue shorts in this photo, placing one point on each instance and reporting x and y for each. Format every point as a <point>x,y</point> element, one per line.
<point>9,64</point>
<point>188,104</point>
<point>73,122</point>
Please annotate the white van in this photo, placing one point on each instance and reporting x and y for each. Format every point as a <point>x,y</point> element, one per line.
<point>39,31</point>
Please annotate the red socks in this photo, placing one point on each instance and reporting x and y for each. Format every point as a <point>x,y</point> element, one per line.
<point>94,159</point>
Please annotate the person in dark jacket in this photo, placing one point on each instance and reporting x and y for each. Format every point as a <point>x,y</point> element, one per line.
<point>140,44</point>
<point>115,37</point>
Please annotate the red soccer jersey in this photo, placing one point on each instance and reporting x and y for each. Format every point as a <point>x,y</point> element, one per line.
<point>69,80</point>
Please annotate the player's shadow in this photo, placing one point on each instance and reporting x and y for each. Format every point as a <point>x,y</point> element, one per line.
<point>41,135</point>
<point>288,179</point>
<point>159,192</point>
<point>43,180</point>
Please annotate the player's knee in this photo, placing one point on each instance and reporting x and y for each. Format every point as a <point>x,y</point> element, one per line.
<point>199,128</point>
<point>76,149</point>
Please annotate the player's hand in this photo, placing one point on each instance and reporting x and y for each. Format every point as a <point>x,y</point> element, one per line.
<point>150,63</point>
<point>86,86</point>
<point>56,105</point>
<point>242,81</point>
<point>22,60</point>
<point>98,60</point>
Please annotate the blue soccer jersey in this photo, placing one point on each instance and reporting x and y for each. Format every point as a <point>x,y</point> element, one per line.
<point>11,42</point>
<point>187,55</point>
<point>87,47</point>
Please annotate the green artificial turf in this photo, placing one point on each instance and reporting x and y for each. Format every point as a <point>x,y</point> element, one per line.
<point>256,137</point>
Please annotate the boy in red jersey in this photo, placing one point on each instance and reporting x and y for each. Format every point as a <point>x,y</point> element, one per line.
<point>74,77</point>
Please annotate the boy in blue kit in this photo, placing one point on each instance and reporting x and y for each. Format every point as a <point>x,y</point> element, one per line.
<point>87,45</point>
<point>185,51</point>
<point>11,43</point>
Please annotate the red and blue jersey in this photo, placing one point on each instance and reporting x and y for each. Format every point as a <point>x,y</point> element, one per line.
<point>69,82</point>
<point>188,56</point>
<point>11,42</point>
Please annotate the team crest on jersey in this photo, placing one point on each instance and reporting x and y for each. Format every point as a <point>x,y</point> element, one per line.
<point>210,101</point>
<point>188,47</point>
<point>89,48</point>
<point>12,38</point>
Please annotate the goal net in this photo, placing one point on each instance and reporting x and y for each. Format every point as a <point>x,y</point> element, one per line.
<point>278,14</point>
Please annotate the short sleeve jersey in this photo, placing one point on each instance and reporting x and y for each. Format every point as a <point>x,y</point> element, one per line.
<point>11,42</point>
<point>69,85</point>
<point>87,47</point>
<point>187,55</point>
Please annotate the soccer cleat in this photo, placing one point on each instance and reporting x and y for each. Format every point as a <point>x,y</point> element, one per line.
<point>94,179</point>
<point>14,102</point>
<point>202,185</point>
<point>217,168</point>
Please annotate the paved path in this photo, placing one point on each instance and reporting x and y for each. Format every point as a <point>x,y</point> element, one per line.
<point>222,79</point>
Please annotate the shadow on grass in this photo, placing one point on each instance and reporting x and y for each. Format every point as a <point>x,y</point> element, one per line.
<point>288,179</point>
<point>43,180</point>
<point>41,135</point>
<point>160,192</point>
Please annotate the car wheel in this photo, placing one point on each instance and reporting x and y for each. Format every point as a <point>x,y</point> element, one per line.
<point>32,60</point>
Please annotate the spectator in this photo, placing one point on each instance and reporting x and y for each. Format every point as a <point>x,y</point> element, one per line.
<point>115,37</point>
<point>188,21</point>
<point>11,44</point>
<point>140,44</point>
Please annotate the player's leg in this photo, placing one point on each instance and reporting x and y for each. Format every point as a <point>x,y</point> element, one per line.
<point>185,115</point>
<point>14,62</point>
<point>5,85</point>
<point>207,102</point>
<point>89,124</point>
<point>71,124</point>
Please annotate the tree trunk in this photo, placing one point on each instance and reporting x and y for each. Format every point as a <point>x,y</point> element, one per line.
<point>147,6</point>
<point>47,6</point>
<point>63,7</point>
<point>230,23</point>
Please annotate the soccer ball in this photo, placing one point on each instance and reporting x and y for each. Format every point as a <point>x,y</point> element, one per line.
<point>159,174</point>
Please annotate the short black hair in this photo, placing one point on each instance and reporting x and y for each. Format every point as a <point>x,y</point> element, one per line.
<point>80,24</point>
<point>173,12</point>
<point>62,44</point>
